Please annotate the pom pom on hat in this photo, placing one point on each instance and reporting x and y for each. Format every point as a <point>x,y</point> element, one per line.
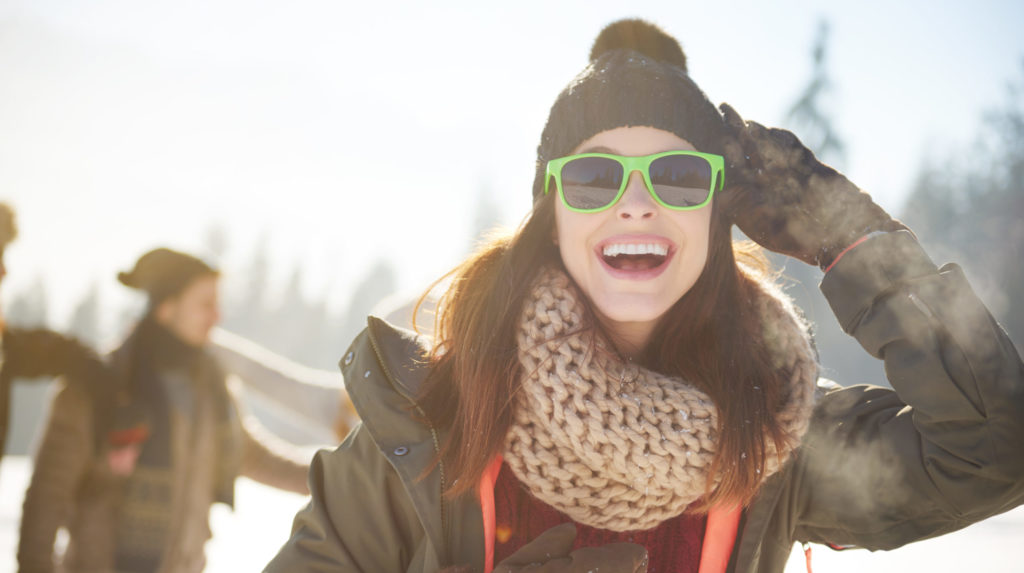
<point>639,36</point>
<point>636,76</point>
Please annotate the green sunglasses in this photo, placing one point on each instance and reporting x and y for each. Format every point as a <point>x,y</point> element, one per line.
<point>678,180</point>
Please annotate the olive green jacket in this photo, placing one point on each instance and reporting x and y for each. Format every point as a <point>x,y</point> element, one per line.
<point>879,468</point>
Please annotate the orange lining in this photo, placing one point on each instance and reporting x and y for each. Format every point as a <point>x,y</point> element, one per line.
<point>719,534</point>
<point>486,492</point>
<point>719,538</point>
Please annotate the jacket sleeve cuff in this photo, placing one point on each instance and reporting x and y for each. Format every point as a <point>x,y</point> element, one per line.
<point>874,267</point>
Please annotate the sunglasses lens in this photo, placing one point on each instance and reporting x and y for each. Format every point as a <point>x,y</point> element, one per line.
<point>591,182</point>
<point>681,180</point>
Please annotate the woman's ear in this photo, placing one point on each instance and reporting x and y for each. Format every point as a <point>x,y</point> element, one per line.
<point>164,311</point>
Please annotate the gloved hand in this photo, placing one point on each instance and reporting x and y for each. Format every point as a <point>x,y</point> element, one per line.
<point>550,553</point>
<point>787,201</point>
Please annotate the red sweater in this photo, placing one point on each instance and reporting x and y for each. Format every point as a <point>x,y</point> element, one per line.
<point>672,547</point>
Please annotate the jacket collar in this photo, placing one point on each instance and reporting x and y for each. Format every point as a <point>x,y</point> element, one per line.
<point>402,352</point>
<point>384,369</point>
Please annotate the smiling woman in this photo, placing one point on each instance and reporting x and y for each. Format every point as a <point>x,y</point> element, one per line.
<point>630,290</point>
<point>617,385</point>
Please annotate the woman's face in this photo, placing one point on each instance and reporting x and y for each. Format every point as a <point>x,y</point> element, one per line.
<point>631,292</point>
<point>193,313</point>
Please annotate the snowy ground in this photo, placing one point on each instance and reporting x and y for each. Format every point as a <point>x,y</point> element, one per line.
<point>247,539</point>
<point>243,541</point>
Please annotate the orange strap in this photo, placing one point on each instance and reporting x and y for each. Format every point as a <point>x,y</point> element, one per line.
<point>486,492</point>
<point>846,250</point>
<point>719,539</point>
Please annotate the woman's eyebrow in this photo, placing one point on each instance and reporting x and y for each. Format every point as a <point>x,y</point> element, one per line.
<point>598,149</point>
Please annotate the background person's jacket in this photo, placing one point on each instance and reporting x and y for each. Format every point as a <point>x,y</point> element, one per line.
<point>878,468</point>
<point>73,486</point>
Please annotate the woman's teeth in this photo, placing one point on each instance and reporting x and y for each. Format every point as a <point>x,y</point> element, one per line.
<point>635,257</point>
<point>615,250</point>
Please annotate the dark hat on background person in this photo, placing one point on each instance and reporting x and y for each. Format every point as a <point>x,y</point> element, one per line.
<point>637,76</point>
<point>8,225</point>
<point>163,273</point>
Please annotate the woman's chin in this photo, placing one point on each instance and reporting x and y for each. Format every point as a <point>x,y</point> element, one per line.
<point>634,308</point>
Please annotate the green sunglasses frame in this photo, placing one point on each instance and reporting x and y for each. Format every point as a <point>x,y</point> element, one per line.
<point>629,165</point>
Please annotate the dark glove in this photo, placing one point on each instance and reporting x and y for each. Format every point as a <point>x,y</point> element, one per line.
<point>549,553</point>
<point>787,201</point>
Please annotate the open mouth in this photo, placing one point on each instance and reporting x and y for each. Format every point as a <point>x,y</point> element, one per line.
<point>635,257</point>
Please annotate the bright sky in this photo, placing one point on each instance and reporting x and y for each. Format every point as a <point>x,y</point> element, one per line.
<point>345,133</point>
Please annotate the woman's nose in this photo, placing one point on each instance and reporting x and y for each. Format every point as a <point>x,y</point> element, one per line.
<point>636,201</point>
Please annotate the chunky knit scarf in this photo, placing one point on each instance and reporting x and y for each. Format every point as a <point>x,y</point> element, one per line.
<point>616,446</point>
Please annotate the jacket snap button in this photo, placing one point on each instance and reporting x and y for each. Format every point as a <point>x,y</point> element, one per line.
<point>348,359</point>
<point>366,374</point>
<point>401,451</point>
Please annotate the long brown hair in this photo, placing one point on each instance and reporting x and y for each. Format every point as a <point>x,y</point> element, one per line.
<point>708,337</point>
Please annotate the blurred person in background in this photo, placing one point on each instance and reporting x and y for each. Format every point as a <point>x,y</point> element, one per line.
<point>617,386</point>
<point>37,354</point>
<point>132,474</point>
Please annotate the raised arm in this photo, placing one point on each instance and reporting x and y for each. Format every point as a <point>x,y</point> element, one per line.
<point>944,449</point>
<point>35,353</point>
<point>880,468</point>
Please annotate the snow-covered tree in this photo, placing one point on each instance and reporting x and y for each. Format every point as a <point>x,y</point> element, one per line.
<point>968,207</point>
<point>808,117</point>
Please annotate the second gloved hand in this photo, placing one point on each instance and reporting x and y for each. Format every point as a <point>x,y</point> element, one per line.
<point>550,553</point>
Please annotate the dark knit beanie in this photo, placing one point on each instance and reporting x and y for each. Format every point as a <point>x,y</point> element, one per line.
<point>637,77</point>
<point>163,273</point>
<point>8,226</point>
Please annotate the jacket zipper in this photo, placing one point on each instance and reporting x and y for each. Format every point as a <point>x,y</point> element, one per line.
<point>433,433</point>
